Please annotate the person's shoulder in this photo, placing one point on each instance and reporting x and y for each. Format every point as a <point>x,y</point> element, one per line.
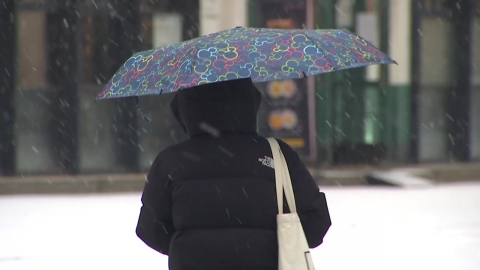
<point>170,151</point>
<point>290,154</point>
<point>164,160</point>
<point>283,145</point>
<point>286,148</point>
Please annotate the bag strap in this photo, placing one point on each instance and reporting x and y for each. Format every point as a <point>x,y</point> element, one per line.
<point>283,182</point>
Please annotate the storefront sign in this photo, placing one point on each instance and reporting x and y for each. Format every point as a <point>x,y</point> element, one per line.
<point>286,110</point>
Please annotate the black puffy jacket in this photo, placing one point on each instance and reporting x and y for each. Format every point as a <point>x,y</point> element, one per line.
<point>210,202</point>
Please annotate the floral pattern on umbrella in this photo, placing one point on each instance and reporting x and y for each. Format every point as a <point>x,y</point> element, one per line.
<point>262,54</point>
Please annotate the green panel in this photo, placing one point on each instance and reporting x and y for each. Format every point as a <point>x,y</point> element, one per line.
<point>348,118</point>
<point>387,97</point>
<point>402,117</point>
<point>353,105</point>
<point>397,123</point>
<point>325,14</point>
<point>252,13</point>
<point>388,118</point>
<point>324,86</point>
<point>395,102</point>
<point>350,107</point>
<point>339,112</point>
<point>373,113</point>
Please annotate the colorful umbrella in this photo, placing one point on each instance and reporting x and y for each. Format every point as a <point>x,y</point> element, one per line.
<point>262,54</point>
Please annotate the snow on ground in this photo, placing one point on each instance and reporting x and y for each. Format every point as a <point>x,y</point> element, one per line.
<point>373,228</point>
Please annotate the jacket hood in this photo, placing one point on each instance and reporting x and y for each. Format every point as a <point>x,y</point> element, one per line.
<point>218,108</point>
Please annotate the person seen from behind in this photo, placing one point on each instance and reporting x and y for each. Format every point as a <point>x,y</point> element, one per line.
<point>210,201</point>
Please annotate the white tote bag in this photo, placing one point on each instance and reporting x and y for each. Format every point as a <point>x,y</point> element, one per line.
<point>293,250</point>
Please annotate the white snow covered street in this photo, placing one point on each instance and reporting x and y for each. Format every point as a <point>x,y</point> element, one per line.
<point>373,228</point>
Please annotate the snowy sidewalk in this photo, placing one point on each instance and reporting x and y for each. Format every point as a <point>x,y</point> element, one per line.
<point>336,176</point>
<point>374,228</point>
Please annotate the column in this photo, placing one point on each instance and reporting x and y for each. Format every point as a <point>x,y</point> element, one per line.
<point>125,30</point>
<point>63,76</point>
<point>398,122</point>
<point>7,86</point>
<point>234,13</point>
<point>324,86</point>
<point>475,106</point>
<point>210,17</point>
<point>218,15</point>
<point>459,97</point>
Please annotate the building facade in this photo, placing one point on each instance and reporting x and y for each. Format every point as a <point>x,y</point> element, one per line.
<point>423,110</point>
<point>57,55</point>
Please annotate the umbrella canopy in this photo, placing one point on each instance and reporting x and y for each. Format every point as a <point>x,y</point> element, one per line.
<point>262,54</point>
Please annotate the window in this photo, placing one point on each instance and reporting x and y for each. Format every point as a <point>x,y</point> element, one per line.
<point>96,44</point>
<point>476,52</point>
<point>475,102</point>
<point>154,5</point>
<point>32,49</point>
<point>436,51</point>
<point>32,2</point>
<point>436,6</point>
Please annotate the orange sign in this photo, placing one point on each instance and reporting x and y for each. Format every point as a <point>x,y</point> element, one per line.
<point>283,119</point>
<point>281,23</point>
<point>285,88</point>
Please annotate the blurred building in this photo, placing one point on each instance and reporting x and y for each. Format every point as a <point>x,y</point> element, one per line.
<point>57,55</point>
<point>423,110</point>
<point>63,53</point>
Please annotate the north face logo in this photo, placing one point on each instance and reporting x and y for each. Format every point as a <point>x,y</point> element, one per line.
<point>267,161</point>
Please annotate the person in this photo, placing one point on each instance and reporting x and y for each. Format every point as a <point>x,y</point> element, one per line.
<point>210,201</point>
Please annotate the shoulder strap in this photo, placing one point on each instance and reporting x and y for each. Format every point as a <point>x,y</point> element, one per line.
<point>283,182</point>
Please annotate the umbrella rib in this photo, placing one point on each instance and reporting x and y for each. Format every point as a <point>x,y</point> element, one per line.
<point>191,69</point>
<point>316,43</point>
